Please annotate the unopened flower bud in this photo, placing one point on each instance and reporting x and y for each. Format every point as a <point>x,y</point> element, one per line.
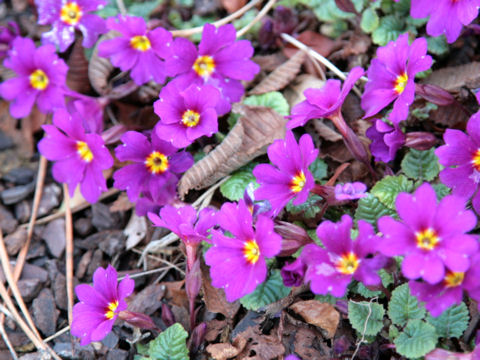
<point>293,237</point>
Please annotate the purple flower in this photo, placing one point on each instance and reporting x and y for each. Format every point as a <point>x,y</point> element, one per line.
<point>461,157</point>
<point>350,191</point>
<point>292,357</point>
<point>137,49</point>
<point>391,77</point>
<point>386,140</point>
<point>325,102</point>
<point>330,270</point>
<point>237,264</point>
<point>100,304</point>
<point>185,223</point>
<point>8,33</point>
<point>294,273</point>
<point>186,114</point>
<point>255,207</point>
<point>89,113</point>
<point>290,177</point>
<point>449,291</point>
<point>446,16</point>
<point>40,77</point>
<point>154,164</point>
<point>429,235</point>
<point>79,157</point>
<point>220,61</point>
<point>147,204</point>
<point>66,16</point>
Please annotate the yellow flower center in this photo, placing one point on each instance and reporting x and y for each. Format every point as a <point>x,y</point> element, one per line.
<point>84,151</point>
<point>110,311</point>
<point>71,13</point>
<point>39,80</point>
<point>400,83</point>
<point>348,263</point>
<point>298,182</point>
<point>140,43</point>
<point>427,239</point>
<point>156,163</point>
<point>204,66</point>
<point>251,251</point>
<point>190,118</point>
<point>453,279</point>
<point>476,160</point>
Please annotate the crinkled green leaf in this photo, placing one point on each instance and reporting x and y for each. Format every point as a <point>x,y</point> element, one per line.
<point>266,293</point>
<point>327,10</point>
<point>437,45</point>
<point>393,332</point>
<point>143,9</point>
<point>366,317</point>
<point>403,306</point>
<point>169,345</point>
<point>319,169</point>
<point>246,19</point>
<point>274,100</point>
<point>387,189</point>
<point>234,188</point>
<point>452,322</point>
<point>370,20</point>
<point>441,191</point>
<point>421,164</point>
<point>417,339</point>
<point>423,113</point>
<point>309,208</point>
<point>371,209</point>
<point>361,289</point>
<point>389,29</point>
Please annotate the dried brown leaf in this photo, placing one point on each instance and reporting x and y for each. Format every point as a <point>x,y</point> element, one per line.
<point>121,204</point>
<point>281,76</point>
<point>77,76</point>
<point>454,78</point>
<point>222,351</point>
<point>294,93</point>
<point>270,62</point>
<point>450,116</point>
<point>256,128</point>
<point>326,132</point>
<point>233,5</point>
<point>319,314</point>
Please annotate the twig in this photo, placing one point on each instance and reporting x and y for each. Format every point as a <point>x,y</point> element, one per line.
<point>121,7</point>
<point>68,252</point>
<point>7,270</point>
<point>75,208</point>
<point>7,342</point>
<point>362,340</point>
<point>57,334</point>
<point>323,60</point>
<point>225,20</point>
<point>257,18</point>
<point>148,272</point>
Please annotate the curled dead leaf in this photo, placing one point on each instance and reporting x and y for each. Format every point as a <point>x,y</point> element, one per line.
<point>256,128</point>
<point>454,78</point>
<point>281,76</point>
<point>77,76</point>
<point>319,314</point>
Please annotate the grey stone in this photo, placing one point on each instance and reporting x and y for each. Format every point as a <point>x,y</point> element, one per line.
<point>83,226</point>
<point>64,350</point>
<point>23,211</point>
<point>60,291</point>
<point>20,176</point>
<point>50,199</point>
<point>7,222</point>
<point>15,241</point>
<point>103,218</point>
<point>5,141</point>
<point>117,354</point>
<point>16,194</point>
<point>29,288</point>
<point>54,236</point>
<point>45,314</point>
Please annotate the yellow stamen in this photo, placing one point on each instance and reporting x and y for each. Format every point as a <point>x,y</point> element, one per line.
<point>110,311</point>
<point>427,239</point>
<point>476,160</point>
<point>453,279</point>
<point>190,118</point>
<point>39,80</point>
<point>71,13</point>
<point>251,251</point>
<point>140,43</point>
<point>156,162</point>
<point>204,66</point>
<point>400,83</point>
<point>84,151</point>
<point>298,182</point>
<point>348,263</point>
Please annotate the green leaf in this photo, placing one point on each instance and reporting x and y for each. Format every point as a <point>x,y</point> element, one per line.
<point>393,332</point>
<point>108,10</point>
<point>421,164</point>
<point>366,317</point>
<point>143,9</point>
<point>387,189</point>
<point>246,19</point>
<point>452,322</point>
<point>371,209</point>
<point>441,191</point>
<point>274,100</point>
<point>437,45</point>
<point>416,340</point>
<point>361,289</point>
<point>370,20</point>
<point>319,169</point>
<point>266,293</point>
<point>234,188</point>
<point>170,344</point>
<point>389,29</point>
<point>309,208</point>
<point>403,306</point>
